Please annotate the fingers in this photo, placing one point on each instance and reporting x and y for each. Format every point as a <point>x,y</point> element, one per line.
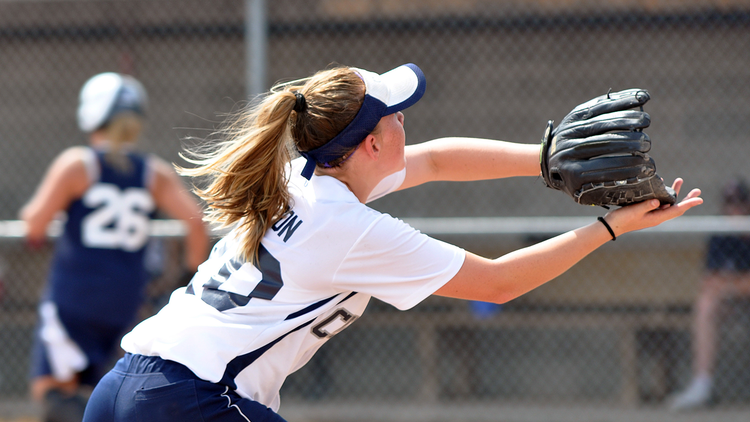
<point>650,213</point>
<point>641,209</point>
<point>634,217</point>
<point>676,185</point>
<point>691,200</point>
<point>693,194</point>
<point>651,205</point>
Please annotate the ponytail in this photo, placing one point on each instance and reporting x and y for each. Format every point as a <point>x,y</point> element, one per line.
<point>124,128</point>
<point>247,173</point>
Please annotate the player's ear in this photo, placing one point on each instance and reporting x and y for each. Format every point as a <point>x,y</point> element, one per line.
<point>372,146</point>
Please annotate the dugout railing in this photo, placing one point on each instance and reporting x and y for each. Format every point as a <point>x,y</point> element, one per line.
<point>13,229</point>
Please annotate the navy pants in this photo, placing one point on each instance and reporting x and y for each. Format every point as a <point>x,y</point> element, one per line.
<point>150,389</point>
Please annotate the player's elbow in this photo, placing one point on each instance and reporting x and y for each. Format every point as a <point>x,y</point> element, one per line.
<point>500,297</point>
<point>504,290</point>
<point>35,232</point>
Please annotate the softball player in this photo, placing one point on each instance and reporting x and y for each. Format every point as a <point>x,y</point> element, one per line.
<point>97,276</point>
<point>305,254</point>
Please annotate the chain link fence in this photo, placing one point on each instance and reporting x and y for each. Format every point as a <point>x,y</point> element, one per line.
<point>613,333</point>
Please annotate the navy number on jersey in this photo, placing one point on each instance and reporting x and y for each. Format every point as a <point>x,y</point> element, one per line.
<point>268,286</point>
<point>330,326</point>
<point>120,219</point>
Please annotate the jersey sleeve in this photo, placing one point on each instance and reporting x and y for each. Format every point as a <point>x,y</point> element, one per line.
<point>398,264</point>
<point>92,165</point>
<point>149,171</point>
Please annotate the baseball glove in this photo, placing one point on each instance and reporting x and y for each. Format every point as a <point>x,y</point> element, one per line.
<point>598,153</point>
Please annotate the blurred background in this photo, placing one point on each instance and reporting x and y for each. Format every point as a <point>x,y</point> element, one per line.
<point>609,340</point>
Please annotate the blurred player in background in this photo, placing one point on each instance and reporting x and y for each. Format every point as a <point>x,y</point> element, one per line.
<point>306,254</point>
<point>96,284</point>
<point>727,276</point>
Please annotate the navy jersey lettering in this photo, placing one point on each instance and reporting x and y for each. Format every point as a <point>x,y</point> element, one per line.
<point>287,226</point>
<point>268,286</point>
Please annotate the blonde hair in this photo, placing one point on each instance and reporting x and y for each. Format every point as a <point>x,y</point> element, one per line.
<point>124,128</point>
<point>246,172</point>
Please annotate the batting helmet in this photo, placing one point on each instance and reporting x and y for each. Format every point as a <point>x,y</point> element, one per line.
<point>106,95</point>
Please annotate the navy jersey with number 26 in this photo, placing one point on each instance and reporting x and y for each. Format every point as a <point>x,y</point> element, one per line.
<point>98,268</point>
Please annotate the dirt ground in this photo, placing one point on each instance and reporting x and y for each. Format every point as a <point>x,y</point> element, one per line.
<point>18,410</point>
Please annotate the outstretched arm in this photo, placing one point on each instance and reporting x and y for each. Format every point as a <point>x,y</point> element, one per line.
<point>467,159</point>
<point>521,271</point>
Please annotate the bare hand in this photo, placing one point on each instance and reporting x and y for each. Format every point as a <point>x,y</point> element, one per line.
<point>649,214</point>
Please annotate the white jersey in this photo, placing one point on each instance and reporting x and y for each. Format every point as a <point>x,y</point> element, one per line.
<point>249,327</point>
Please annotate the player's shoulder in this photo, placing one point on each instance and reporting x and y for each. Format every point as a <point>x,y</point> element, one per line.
<point>162,172</point>
<point>73,161</point>
<point>158,164</point>
<point>74,154</point>
<point>70,170</point>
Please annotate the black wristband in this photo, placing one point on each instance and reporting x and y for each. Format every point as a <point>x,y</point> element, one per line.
<point>609,229</point>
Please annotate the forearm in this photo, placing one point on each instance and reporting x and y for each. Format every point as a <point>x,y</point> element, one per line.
<point>465,159</point>
<point>517,273</point>
<point>526,269</point>
<point>36,222</point>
